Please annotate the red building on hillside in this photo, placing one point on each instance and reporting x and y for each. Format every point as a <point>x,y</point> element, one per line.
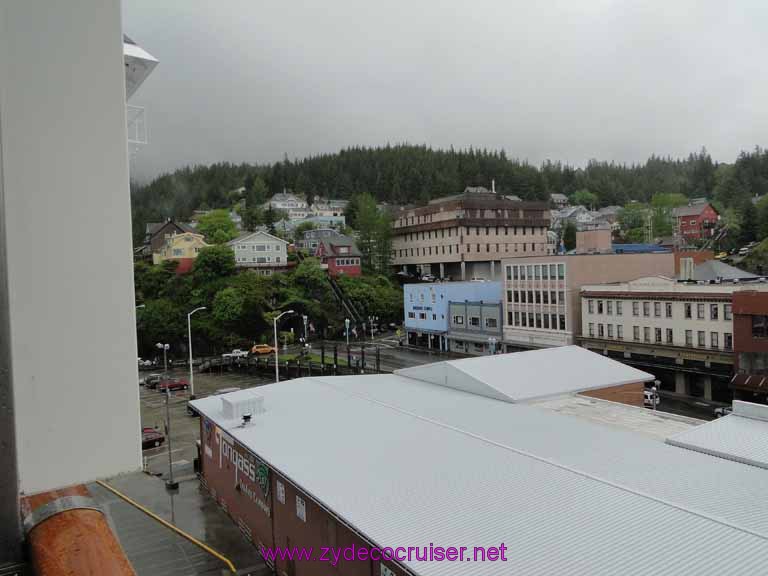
<point>696,221</point>
<point>339,255</point>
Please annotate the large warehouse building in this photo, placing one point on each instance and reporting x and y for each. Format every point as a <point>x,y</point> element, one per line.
<point>461,454</point>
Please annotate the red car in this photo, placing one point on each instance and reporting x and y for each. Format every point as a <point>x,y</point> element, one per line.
<point>151,438</point>
<point>173,384</point>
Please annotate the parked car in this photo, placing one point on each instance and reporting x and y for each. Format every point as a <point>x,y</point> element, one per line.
<point>151,438</point>
<point>648,398</point>
<point>173,384</point>
<point>260,349</point>
<point>723,411</point>
<point>236,353</point>
<point>428,278</point>
<point>152,380</point>
<point>721,255</point>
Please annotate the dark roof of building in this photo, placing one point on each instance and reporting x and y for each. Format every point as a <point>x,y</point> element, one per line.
<point>691,210</point>
<point>714,269</point>
<point>331,244</point>
<point>153,228</point>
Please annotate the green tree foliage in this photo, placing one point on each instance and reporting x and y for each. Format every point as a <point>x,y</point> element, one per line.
<point>212,263</point>
<point>662,206</point>
<point>584,197</point>
<point>749,225</point>
<point>374,233</point>
<point>569,235</point>
<point>160,321</point>
<point>298,232</point>
<point>253,217</point>
<point>217,226</point>
<point>376,296</point>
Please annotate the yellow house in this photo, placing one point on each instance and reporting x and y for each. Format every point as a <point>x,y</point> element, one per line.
<point>180,247</point>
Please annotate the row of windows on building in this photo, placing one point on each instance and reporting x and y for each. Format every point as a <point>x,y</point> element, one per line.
<point>259,259</point>
<point>468,213</point>
<point>347,261</point>
<point>422,316</point>
<point>478,231</point>
<point>541,320</point>
<point>608,307</point>
<point>474,321</point>
<point>178,252</point>
<point>556,297</point>
<point>536,272</point>
<point>258,247</point>
<point>455,249</point>
<point>650,334</point>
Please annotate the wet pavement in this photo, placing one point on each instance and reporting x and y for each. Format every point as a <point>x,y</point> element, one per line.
<point>154,549</point>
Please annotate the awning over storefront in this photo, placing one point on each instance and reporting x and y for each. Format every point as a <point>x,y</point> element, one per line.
<point>750,382</point>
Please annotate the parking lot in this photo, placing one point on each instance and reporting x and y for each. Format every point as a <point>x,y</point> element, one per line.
<point>184,428</point>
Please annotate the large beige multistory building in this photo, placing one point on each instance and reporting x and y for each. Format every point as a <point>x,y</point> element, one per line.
<point>466,236</point>
<point>541,294</point>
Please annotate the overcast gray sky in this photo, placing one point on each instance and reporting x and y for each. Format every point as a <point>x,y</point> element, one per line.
<point>570,80</point>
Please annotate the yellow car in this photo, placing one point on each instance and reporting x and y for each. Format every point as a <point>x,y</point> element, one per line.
<point>262,349</point>
<point>721,255</point>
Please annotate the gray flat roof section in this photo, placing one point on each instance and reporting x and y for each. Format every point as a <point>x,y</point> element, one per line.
<point>409,463</point>
<point>741,436</point>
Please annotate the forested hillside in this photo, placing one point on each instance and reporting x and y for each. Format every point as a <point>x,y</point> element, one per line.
<point>407,174</point>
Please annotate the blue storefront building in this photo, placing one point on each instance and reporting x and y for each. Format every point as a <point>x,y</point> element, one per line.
<point>426,308</point>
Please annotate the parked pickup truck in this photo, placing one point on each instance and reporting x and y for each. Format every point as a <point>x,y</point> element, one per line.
<point>236,353</point>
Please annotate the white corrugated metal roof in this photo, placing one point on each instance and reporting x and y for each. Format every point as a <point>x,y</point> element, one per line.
<point>741,436</point>
<point>523,376</point>
<point>408,463</point>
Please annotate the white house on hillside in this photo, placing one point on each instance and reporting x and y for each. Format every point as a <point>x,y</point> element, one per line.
<point>261,251</point>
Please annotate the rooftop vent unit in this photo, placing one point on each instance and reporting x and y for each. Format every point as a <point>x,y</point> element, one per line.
<point>239,406</point>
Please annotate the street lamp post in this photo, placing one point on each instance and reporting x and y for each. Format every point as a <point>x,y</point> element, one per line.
<point>346,326</point>
<point>277,357</point>
<point>191,369</point>
<point>170,484</point>
<point>164,348</point>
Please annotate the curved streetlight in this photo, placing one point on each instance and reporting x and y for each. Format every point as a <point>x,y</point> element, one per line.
<point>191,370</point>
<point>277,363</point>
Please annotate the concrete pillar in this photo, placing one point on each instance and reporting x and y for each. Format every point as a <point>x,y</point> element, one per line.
<point>493,270</point>
<point>681,386</point>
<point>405,269</point>
<point>429,341</point>
<point>707,387</point>
<point>63,171</point>
<point>463,270</point>
<point>442,270</point>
